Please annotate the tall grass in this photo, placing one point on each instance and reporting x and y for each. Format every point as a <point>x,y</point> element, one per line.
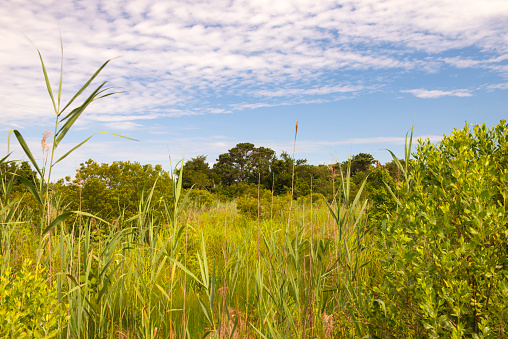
<point>172,271</point>
<point>150,277</point>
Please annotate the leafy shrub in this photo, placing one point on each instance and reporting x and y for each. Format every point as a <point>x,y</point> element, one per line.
<point>200,198</point>
<point>380,198</point>
<point>444,255</point>
<point>247,204</point>
<point>29,306</point>
<point>318,200</point>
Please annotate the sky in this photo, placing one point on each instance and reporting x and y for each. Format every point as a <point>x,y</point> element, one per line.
<point>199,76</point>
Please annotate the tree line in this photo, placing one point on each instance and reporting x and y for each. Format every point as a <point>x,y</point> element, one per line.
<point>108,190</point>
<point>247,164</point>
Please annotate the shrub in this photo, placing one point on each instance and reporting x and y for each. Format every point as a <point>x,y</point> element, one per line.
<point>29,306</point>
<point>380,199</point>
<point>201,198</point>
<point>318,200</point>
<point>247,204</point>
<point>444,255</point>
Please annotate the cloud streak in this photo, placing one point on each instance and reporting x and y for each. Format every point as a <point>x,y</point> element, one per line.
<point>432,94</point>
<point>177,57</point>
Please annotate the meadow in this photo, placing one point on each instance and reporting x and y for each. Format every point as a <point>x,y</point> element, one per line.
<point>433,264</point>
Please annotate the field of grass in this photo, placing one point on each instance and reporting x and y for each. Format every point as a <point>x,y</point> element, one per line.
<point>436,265</point>
<point>205,271</point>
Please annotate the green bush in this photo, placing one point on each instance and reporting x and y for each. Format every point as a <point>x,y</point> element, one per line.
<point>269,205</point>
<point>444,255</point>
<point>201,198</point>
<point>318,200</point>
<point>379,196</point>
<point>29,306</point>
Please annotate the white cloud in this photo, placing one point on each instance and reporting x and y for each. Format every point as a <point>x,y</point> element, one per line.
<point>499,86</point>
<point>431,94</point>
<point>123,126</point>
<point>178,54</point>
<point>492,63</point>
<point>309,91</point>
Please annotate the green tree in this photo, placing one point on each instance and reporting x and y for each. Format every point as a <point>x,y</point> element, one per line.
<point>17,171</point>
<point>13,178</point>
<point>394,170</point>
<point>282,173</point>
<point>313,179</point>
<point>244,163</point>
<point>377,188</point>
<point>360,163</point>
<point>199,174</point>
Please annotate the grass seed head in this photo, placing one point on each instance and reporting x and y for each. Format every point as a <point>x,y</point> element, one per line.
<point>45,142</point>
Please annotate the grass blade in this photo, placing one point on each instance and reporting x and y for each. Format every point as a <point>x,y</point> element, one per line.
<point>31,188</point>
<point>25,148</point>
<point>48,85</point>
<point>85,85</point>
<point>62,217</point>
<point>73,116</point>
<point>84,141</point>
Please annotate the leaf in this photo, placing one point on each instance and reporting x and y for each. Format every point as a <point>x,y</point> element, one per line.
<point>164,293</point>
<point>186,270</point>
<point>48,85</point>
<point>205,311</point>
<point>85,85</point>
<point>382,303</point>
<point>5,158</point>
<point>393,194</point>
<point>74,115</point>
<point>25,148</point>
<point>31,188</point>
<point>62,217</point>
<point>8,206</point>
<point>86,214</point>
<point>234,328</point>
<point>84,141</point>
<point>397,162</point>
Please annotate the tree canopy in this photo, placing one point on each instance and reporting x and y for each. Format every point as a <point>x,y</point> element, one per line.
<point>244,163</point>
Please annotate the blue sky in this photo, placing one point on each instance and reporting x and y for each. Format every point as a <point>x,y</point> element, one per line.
<point>203,76</point>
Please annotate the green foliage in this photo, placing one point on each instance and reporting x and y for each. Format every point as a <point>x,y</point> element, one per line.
<point>20,170</point>
<point>201,198</point>
<point>394,170</point>
<point>313,179</point>
<point>282,170</point>
<point>360,162</point>
<point>113,190</point>
<point>29,305</point>
<point>269,205</point>
<point>244,163</point>
<point>236,190</point>
<point>14,177</point>
<point>317,200</point>
<point>444,254</point>
<point>378,187</point>
<point>199,175</point>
